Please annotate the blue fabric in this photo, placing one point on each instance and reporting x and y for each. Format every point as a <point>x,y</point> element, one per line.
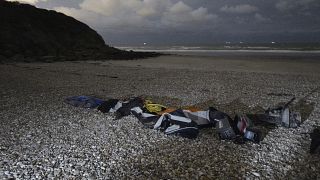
<point>84,101</point>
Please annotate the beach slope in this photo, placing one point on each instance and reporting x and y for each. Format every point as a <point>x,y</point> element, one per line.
<point>45,138</point>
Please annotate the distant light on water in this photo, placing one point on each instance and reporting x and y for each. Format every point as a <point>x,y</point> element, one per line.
<point>269,49</point>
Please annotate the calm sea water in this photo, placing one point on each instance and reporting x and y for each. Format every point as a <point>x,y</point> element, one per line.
<point>251,52</point>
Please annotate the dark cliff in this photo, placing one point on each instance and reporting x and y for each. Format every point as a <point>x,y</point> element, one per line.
<point>28,33</point>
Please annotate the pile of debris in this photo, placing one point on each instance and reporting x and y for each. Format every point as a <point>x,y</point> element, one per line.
<point>188,121</point>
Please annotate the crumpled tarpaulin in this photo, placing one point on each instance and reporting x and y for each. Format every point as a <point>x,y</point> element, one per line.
<point>84,101</point>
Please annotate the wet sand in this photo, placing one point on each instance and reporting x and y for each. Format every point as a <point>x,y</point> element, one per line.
<point>245,64</point>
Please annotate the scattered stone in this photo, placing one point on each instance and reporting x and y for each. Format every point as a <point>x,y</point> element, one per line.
<point>256,174</point>
<point>59,141</point>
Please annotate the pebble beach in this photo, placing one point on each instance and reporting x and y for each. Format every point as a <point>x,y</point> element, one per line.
<point>44,138</point>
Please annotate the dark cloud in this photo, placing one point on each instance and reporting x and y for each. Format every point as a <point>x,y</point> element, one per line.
<point>189,21</point>
<point>29,1</point>
<point>239,9</point>
<point>288,5</point>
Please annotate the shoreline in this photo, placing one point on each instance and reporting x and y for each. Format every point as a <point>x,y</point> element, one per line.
<point>237,64</point>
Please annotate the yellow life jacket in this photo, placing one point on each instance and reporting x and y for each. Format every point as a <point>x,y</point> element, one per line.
<point>153,107</point>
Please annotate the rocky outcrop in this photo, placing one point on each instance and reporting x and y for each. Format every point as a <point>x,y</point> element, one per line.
<point>28,33</point>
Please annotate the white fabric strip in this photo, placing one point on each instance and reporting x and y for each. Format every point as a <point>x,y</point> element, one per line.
<point>173,117</point>
<point>179,118</point>
<point>172,128</point>
<point>116,107</point>
<point>202,114</point>
<point>139,111</point>
<point>179,129</point>
<point>158,124</point>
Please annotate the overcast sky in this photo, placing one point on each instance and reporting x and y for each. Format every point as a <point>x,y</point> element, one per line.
<point>194,22</point>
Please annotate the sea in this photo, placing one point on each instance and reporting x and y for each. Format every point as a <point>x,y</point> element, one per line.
<point>241,52</point>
